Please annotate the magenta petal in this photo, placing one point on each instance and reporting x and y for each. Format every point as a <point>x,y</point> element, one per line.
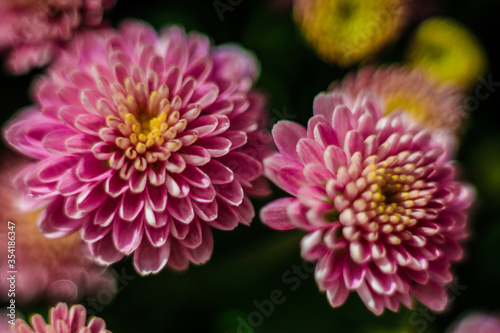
<point>53,168</point>
<point>149,259</point>
<point>337,294</point>
<point>131,205</point>
<point>231,192</point>
<point>290,179</point>
<point>92,233</point>
<point>55,141</point>
<point>334,158</point>
<point>353,143</point>
<point>218,172</point>
<point>342,122</point>
<point>91,198</point>
<point>245,167</point>
<point>194,238</point>
<point>156,175</point>
<point>204,125</point>
<point>360,252</point>
<point>157,235</point>
<point>245,211</point>
<point>89,123</point>
<point>114,185</point>
<point>177,186</point>
<point>194,176</point>
<point>195,155</point>
<point>206,211</point>
<point>178,257</point>
<point>216,146</point>
<point>431,295</point>
<point>317,174</point>
<point>326,135</point>
<point>70,184</point>
<point>89,168</point>
<point>178,229</point>
<point>310,151</point>
<point>372,301</point>
<point>127,235</point>
<point>138,181</point>
<point>238,138</point>
<point>106,212</point>
<point>380,282</point>
<point>286,136</point>
<point>353,274</point>
<point>325,103</point>
<point>104,251</point>
<point>54,223</point>
<point>157,197</point>
<point>312,247</point>
<point>227,218</point>
<point>203,194</point>
<point>202,253</point>
<point>275,214</point>
<point>175,164</point>
<point>181,209</point>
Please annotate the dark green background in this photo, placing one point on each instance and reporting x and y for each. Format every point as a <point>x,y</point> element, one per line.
<point>248,264</point>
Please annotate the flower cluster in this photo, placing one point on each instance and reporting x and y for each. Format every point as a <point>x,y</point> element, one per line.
<point>140,143</point>
<point>62,320</point>
<point>378,199</point>
<point>145,142</point>
<point>32,31</point>
<point>52,269</point>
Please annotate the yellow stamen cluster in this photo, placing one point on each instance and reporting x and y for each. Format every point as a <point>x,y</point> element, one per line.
<point>147,124</point>
<point>388,199</point>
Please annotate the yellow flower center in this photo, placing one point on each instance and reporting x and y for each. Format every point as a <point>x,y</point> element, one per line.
<point>148,124</point>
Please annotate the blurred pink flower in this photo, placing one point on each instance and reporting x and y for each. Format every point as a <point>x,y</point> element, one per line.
<point>145,142</point>
<point>378,198</point>
<point>33,30</point>
<point>476,323</point>
<point>63,320</point>
<point>53,269</point>
<point>401,88</point>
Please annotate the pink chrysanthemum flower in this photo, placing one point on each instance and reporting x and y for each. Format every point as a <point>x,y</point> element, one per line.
<point>401,88</point>
<point>145,142</point>
<point>63,320</point>
<point>33,30</point>
<point>476,323</point>
<point>52,269</point>
<point>378,198</point>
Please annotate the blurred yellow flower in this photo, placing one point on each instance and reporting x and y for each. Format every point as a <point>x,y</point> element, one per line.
<point>447,51</point>
<point>347,31</point>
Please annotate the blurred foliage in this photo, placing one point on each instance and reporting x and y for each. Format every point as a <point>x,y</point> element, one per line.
<point>249,264</point>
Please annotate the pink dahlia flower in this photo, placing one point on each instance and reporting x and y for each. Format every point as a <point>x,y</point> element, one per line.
<point>477,323</point>
<point>32,31</point>
<point>378,198</point>
<point>51,269</point>
<point>145,142</point>
<point>63,320</point>
<point>401,88</point>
